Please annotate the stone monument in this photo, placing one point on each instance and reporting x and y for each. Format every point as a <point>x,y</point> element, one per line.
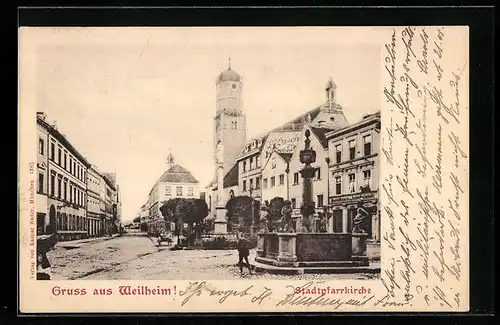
<point>310,252</point>
<point>220,223</point>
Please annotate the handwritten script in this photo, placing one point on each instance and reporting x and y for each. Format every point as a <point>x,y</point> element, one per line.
<point>425,182</point>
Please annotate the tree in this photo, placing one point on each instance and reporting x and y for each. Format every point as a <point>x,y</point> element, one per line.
<point>274,208</point>
<point>181,210</point>
<point>239,212</point>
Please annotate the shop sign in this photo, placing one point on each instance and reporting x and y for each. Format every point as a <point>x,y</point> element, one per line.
<point>352,197</point>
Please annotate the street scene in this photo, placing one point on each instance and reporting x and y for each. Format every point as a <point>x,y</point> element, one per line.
<point>135,256</point>
<point>169,175</point>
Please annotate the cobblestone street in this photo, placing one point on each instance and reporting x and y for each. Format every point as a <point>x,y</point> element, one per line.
<point>133,257</point>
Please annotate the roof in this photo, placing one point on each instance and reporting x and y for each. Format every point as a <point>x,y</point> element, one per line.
<point>177,174</point>
<point>286,156</point>
<point>321,135</point>
<point>61,138</point>
<point>231,178</point>
<point>229,75</point>
<point>297,124</point>
<point>108,182</point>
<point>367,119</point>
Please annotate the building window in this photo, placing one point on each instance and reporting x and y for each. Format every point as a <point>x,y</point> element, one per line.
<point>282,179</point>
<point>257,183</point>
<point>338,153</point>
<point>251,163</point>
<point>168,191</point>
<point>40,183</point>
<point>59,156</point>
<point>74,195</point>
<point>320,200</point>
<point>59,188</point>
<point>65,189</point>
<point>40,146</point>
<point>257,162</point>
<point>70,193</point>
<point>65,159</point>
<point>294,203</point>
<point>251,183</point>
<point>273,181</point>
<point>190,191</point>
<point>367,144</point>
<point>265,182</point>
<point>74,168</point>
<point>52,151</point>
<point>71,165</point>
<point>367,176</point>
<point>179,190</point>
<point>273,163</point>
<point>352,149</point>
<point>244,166</point>
<point>317,173</point>
<point>296,178</point>
<point>244,186</point>
<point>352,183</point>
<point>52,184</point>
<point>338,185</point>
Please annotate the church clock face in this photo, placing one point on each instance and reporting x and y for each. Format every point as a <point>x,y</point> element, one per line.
<point>234,86</point>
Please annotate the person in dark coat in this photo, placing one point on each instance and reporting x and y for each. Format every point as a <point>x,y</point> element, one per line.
<point>44,244</point>
<point>243,252</point>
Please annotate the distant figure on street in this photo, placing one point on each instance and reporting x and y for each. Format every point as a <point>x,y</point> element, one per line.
<point>243,252</point>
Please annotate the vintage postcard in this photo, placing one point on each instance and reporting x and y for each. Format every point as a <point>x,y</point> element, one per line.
<point>212,169</point>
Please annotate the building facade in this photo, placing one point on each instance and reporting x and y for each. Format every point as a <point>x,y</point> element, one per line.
<point>275,176</point>
<point>354,175</point>
<point>110,207</point>
<point>63,173</point>
<point>176,182</point>
<point>94,180</point>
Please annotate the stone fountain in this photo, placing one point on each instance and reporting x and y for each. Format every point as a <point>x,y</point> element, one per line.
<point>286,251</point>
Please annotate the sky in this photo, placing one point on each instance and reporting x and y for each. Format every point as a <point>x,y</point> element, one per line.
<point>126,97</point>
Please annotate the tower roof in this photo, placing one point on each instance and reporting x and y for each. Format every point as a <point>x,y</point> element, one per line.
<point>229,75</point>
<point>177,174</point>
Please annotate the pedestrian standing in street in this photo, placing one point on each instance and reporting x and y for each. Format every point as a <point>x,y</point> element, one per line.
<point>243,252</point>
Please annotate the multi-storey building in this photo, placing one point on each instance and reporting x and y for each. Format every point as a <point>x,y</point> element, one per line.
<point>102,206</point>
<point>109,206</point>
<point>354,174</point>
<point>61,183</point>
<point>275,176</point>
<point>94,179</point>
<point>116,202</point>
<point>176,182</point>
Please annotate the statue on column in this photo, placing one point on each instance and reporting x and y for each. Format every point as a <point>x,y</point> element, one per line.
<point>359,221</point>
<point>264,220</point>
<point>286,219</point>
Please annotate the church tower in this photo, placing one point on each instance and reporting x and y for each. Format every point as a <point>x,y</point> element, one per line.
<point>230,120</point>
<point>331,114</point>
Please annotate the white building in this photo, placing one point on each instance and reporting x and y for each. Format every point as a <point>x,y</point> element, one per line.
<point>94,180</point>
<point>275,176</point>
<point>176,182</point>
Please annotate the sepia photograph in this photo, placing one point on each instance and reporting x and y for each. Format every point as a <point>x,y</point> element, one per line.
<point>173,158</point>
<point>249,169</point>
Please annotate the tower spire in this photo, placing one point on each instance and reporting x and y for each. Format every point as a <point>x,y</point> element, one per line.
<point>229,64</point>
<point>170,158</point>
